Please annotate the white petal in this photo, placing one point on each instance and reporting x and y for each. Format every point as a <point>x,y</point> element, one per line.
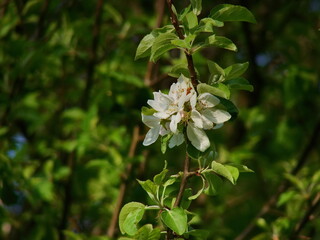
<point>150,120</point>
<point>216,115</point>
<point>208,100</point>
<point>196,118</point>
<point>156,105</point>
<point>162,115</point>
<point>176,140</point>
<point>175,119</point>
<point>207,124</point>
<point>198,137</point>
<point>164,131</point>
<point>193,101</point>
<point>151,136</point>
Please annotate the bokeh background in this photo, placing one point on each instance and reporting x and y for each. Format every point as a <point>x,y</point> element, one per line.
<point>71,131</point>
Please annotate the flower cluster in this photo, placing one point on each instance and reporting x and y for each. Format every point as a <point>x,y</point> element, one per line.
<point>183,107</point>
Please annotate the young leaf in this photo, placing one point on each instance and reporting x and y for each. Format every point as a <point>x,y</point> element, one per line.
<point>218,89</point>
<point>161,45</point>
<point>196,6</point>
<point>158,179</point>
<point>220,169</point>
<point>144,46</point>
<point>214,68</point>
<point>164,142</point>
<point>240,84</point>
<point>214,184</point>
<point>147,111</point>
<point>151,188</point>
<point>241,168</point>
<point>175,219</point>
<point>147,233</point>
<point>179,69</point>
<point>235,70</point>
<point>195,196</point>
<point>234,172</point>
<point>134,212</point>
<point>191,20</point>
<point>229,12</point>
<point>221,42</point>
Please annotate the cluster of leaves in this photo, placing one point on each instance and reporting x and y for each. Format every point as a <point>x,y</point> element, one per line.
<point>162,192</point>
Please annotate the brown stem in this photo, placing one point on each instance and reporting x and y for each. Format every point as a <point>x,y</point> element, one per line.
<point>123,186</point>
<point>184,179</point>
<point>176,24</point>
<point>306,218</point>
<point>284,185</point>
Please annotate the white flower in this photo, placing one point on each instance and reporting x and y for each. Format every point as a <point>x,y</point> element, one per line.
<point>182,104</point>
<point>204,116</point>
<point>156,129</point>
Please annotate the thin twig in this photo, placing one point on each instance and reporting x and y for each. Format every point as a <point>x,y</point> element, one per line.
<point>306,218</point>
<point>176,24</point>
<point>284,185</point>
<point>184,179</point>
<point>123,186</point>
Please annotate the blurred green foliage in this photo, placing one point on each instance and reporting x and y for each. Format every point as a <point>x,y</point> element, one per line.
<point>70,99</point>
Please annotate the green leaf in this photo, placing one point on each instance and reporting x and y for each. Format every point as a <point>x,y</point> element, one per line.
<point>221,42</point>
<point>240,84</point>
<point>179,69</point>
<point>148,233</point>
<point>195,196</point>
<point>234,172</point>
<point>144,46</point>
<point>214,68</point>
<point>161,45</point>
<point>191,20</point>
<point>218,89</point>
<point>159,178</point>
<point>207,25</point>
<point>134,212</point>
<point>229,12</point>
<point>236,70</point>
<point>175,219</point>
<point>164,142</point>
<point>151,188</point>
<point>147,111</point>
<point>214,184</point>
<point>185,202</point>
<point>230,107</point>
<point>240,167</point>
<point>220,169</point>
<point>170,181</point>
<point>196,6</point>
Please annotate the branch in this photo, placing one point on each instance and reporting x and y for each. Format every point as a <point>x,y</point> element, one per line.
<point>284,185</point>
<point>123,186</point>
<point>306,218</point>
<point>176,24</point>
